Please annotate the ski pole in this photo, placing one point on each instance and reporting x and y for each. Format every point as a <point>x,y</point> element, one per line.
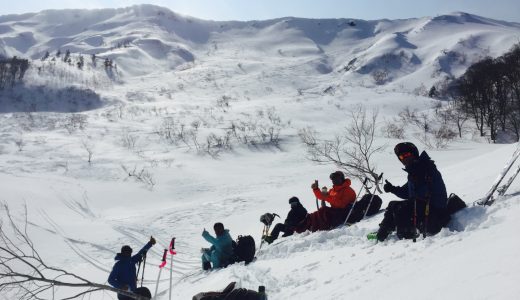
<point>161,266</point>
<point>373,194</point>
<point>144,265</point>
<point>172,253</point>
<point>317,206</point>
<point>414,219</point>
<point>355,201</point>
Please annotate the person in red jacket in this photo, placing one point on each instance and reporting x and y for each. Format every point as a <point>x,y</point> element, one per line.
<point>340,197</point>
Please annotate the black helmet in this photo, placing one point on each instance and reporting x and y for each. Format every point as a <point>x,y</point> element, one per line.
<point>406,147</point>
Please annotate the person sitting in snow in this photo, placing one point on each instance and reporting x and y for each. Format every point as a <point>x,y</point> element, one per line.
<point>296,215</point>
<point>424,193</point>
<point>221,251</point>
<point>340,197</point>
<point>123,275</point>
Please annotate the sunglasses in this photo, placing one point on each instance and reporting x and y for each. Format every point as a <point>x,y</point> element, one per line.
<point>405,155</point>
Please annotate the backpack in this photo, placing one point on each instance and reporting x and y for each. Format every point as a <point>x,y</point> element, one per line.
<point>362,205</point>
<point>229,293</point>
<point>455,204</point>
<point>244,249</point>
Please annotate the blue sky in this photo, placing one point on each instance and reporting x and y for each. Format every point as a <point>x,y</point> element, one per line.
<point>508,10</point>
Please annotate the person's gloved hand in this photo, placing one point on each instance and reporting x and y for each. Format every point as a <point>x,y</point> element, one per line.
<point>152,241</point>
<point>204,231</point>
<point>315,185</point>
<point>388,187</point>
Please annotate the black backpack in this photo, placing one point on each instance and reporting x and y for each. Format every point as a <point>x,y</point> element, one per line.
<point>244,249</point>
<point>229,293</point>
<point>362,205</point>
<point>455,204</point>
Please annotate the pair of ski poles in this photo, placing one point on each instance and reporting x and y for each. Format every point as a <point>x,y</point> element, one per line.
<point>171,250</point>
<point>364,185</point>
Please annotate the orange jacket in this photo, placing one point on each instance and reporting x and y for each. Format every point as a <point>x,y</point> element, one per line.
<point>340,196</point>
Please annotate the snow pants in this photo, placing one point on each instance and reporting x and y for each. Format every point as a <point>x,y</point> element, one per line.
<point>399,216</point>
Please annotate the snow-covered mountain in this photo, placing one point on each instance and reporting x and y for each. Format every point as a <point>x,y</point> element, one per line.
<point>199,124</point>
<point>156,38</point>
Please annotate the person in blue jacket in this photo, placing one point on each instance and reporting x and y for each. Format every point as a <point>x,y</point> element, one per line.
<point>123,275</point>
<point>424,193</point>
<point>221,251</point>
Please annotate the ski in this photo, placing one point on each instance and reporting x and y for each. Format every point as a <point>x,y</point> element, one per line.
<point>503,189</point>
<point>488,198</point>
<point>161,266</point>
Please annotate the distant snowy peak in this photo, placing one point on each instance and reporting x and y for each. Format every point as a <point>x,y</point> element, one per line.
<point>144,38</point>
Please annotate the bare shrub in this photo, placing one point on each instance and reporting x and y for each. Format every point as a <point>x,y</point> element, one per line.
<point>394,130</point>
<point>20,143</point>
<point>351,151</point>
<point>73,122</point>
<point>380,76</point>
<point>128,139</point>
<point>88,146</point>
<point>142,175</point>
<point>24,274</point>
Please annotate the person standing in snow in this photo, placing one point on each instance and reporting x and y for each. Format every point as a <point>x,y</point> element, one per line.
<point>221,251</point>
<point>424,193</point>
<point>296,215</point>
<point>123,275</point>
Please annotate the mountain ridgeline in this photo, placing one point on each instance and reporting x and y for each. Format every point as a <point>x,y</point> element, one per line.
<point>145,38</point>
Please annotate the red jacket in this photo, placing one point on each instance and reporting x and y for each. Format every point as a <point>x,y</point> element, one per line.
<point>340,196</point>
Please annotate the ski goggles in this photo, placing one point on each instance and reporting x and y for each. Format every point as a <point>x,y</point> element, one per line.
<point>405,155</point>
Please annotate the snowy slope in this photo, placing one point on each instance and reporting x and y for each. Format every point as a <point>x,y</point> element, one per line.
<point>181,72</point>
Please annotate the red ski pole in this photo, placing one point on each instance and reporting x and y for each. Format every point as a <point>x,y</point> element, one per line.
<point>161,266</point>
<point>172,253</point>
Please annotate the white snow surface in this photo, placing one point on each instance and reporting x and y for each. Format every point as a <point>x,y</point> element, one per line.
<point>184,69</point>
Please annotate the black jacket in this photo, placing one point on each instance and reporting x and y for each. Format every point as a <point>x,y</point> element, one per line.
<point>424,180</point>
<point>295,215</point>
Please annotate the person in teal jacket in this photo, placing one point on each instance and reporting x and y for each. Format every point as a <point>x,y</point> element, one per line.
<point>221,251</point>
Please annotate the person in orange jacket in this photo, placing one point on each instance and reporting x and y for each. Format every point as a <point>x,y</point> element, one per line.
<point>341,195</point>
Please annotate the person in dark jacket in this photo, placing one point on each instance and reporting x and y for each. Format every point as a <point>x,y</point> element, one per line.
<point>221,251</point>
<point>424,207</point>
<point>123,275</point>
<point>296,215</point>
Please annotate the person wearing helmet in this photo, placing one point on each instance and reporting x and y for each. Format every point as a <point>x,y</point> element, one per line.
<point>296,215</point>
<point>123,275</point>
<point>424,194</point>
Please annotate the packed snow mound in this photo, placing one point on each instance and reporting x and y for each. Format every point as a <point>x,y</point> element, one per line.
<point>156,38</point>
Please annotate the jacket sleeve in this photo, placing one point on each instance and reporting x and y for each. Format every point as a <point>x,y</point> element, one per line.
<point>137,258</point>
<point>112,278</point>
<point>209,238</point>
<point>319,195</point>
<point>401,191</point>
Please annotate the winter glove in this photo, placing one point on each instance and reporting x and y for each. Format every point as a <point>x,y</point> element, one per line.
<point>388,187</point>
<point>152,241</point>
<point>315,185</point>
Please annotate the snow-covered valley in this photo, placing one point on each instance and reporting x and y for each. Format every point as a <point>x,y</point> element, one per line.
<point>199,123</point>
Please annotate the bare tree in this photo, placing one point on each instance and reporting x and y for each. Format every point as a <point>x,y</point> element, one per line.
<point>20,143</point>
<point>351,151</point>
<point>25,275</point>
<point>89,147</point>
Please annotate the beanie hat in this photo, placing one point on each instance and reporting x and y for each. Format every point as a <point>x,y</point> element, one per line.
<point>406,147</point>
<point>126,250</point>
<point>337,178</point>
<point>294,200</point>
